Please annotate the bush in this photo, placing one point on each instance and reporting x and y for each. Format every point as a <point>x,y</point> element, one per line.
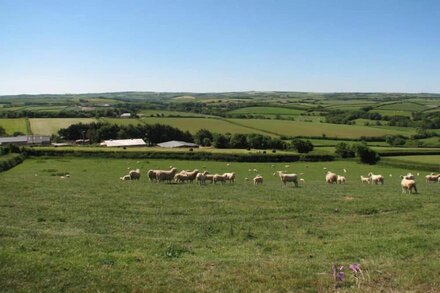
<point>302,146</point>
<point>343,150</point>
<point>366,155</point>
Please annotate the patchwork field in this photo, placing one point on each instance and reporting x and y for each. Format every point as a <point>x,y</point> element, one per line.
<point>12,125</point>
<point>269,111</point>
<point>195,124</point>
<point>299,128</point>
<point>93,232</point>
<point>49,126</point>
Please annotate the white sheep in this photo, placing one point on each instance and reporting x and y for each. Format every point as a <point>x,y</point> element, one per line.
<point>432,177</point>
<point>209,177</point>
<point>163,175</point>
<point>190,175</point>
<point>341,179</point>
<point>302,180</point>
<point>365,179</point>
<point>125,177</point>
<point>230,177</point>
<point>135,174</point>
<point>287,178</point>
<point>152,174</point>
<point>258,180</point>
<point>219,178</point>
<point>408,176</point>
<point>331,177</point>
<point>201,177</point>
<point>376,179</point>
<point>408,185</point>
<point>345,170</point>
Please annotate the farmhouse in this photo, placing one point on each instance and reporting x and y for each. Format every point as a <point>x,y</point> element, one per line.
<point>124,142</point>
<point>125,115</point>
<point>177,144</point>
<point>25,140</point>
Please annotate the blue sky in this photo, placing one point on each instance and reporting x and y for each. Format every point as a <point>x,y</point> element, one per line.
<point>64,46</point>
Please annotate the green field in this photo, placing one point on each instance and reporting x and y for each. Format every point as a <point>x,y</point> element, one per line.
<point>269,111</point>
<point>299,128</point>
<point>122,121</point>
<point>152,112</point>
<point>12,125</point>
<point>403,106</point>
<point>195,124</point>
<point>48,126</point>
<point>92,232</point>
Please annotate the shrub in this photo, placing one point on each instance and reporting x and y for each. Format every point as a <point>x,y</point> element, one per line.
<point>366,155</point>
<point>302,146</point>
<point>344,150</point>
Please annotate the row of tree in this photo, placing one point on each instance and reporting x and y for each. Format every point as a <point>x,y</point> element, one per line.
<point>97,132</point>
<point>156,133</point>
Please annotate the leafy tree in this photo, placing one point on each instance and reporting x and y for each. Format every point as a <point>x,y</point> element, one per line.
<point>343,150</point>
<point>239,141</point>
<point>302,146</point>
<point>366,155</point>
<point>202,137</point>
<point>395,140</point>
<point>2,131</point>
<point>220,141</point>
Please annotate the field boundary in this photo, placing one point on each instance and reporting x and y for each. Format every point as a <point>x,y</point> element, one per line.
<point>9,161</point>
<point>411,165</point>
<point>200,156</point>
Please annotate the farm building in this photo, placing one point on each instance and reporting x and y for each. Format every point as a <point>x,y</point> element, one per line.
<point>125,115</point>
<point>25,139</point>
<point>123,142</point>
<point>177,144</point>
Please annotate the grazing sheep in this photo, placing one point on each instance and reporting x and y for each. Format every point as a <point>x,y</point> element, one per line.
<point>246,179</point>
<point>391,175</point>
<point>432,177</point>
<point>345,170</point>
<point>219,178</point>
<point>180,177</point>
<point>341,179</point>
<point>209,177</point>
<point>201,177</point>
<point>365,179</point>
<point>408,176</point>
<point>408,185</point>
<point>152,174</point>
<point>228,164</point>
<point>255,170</point>
<point>331,177</point>
<point>190,175</point>
<point>125,177</point>
<point>258,180</point>
<point>163,175</point>
<point>376,179</point>
<point>135,174</point>
<point>302,180</point>
<point>287,178</point>
<point>287,166</point>
<point>230,177</point>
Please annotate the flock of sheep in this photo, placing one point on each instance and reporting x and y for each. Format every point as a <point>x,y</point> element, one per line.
<point>408,183</point>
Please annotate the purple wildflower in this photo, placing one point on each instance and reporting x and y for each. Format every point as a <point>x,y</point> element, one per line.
<point>355,268</point>
<point>338,273</point>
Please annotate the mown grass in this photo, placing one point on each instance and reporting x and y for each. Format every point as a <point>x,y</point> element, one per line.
<point>50,126</point>
<point>93,232</point>
<point>12,125</point>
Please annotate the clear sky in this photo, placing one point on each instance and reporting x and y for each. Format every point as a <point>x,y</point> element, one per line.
<point>76,46</point>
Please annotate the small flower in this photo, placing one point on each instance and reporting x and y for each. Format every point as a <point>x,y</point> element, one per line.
<point>355,268</point>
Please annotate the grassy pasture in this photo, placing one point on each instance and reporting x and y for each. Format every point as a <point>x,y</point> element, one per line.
<point>195,124</point>
<point>403,106</point>
<point>270,111</point>
<point>12,125</point>
<point>292,128</point>
<point>93,232</point>
<point>122,121</point>
<point>50,126</point>
<point>431,162</point>
<point>154,112</point>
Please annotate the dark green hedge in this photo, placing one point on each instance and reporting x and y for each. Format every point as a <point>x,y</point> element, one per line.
<point>11,160</point>
<point>185,155</point>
